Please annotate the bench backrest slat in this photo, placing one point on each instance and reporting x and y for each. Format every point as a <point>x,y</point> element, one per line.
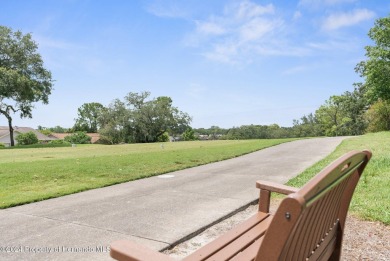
<point>308,224</point>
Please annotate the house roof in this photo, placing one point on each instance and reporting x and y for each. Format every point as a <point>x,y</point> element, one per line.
<point>94,136</point>
<point>5,131</point>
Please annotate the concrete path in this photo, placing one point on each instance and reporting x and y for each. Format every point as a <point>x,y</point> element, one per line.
<point>157,212</point>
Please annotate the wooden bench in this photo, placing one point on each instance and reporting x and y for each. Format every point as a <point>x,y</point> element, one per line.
<point>308,224</point>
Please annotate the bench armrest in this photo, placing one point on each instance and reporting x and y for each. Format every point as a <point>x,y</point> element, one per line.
<point>266,187</point>
<point>275,187</point>
<point>124,250</point>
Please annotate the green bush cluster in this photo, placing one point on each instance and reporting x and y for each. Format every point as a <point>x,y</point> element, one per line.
<point>79,137</point>
<point>27,138</point>
<point>59,142</point>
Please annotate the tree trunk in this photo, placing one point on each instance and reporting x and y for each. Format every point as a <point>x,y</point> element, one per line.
<point>11,130</point>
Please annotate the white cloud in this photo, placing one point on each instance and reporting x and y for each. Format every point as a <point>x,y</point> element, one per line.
<point>296,70</point>
<point>318,3</point>
<point>336,21</point>
<point>256,28</point>
<point>297,15</point>
<point>170,10</point>
<point>210,28</point>
<point>247,10</point>
<point>235,35</point>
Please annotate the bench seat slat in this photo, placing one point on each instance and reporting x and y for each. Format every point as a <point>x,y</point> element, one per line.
<point>250,252</point>
<point>242,242</point>
<point>216,245</point>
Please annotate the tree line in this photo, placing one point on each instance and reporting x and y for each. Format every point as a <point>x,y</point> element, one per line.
<point>138,118</point>
<point>365,109</point>
<point>135,119</point>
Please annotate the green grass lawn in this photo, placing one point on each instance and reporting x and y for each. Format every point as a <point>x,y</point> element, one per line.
<point>28,175</point>
<point>371,200</point>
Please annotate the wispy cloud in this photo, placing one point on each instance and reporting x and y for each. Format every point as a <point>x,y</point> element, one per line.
<point>243,28</point>
<point>296,70</point>
<point>170,10</point>
<point>336,21</point>
<point>318,3</point>
<point>46,42</point>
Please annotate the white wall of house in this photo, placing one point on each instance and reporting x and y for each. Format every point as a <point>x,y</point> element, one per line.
<point>7,141</point>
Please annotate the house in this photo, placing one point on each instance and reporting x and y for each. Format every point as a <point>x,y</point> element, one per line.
<point>5,135</point>
<point>95,137</point>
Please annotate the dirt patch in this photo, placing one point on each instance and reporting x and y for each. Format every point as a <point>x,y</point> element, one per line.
<point>363,240</point>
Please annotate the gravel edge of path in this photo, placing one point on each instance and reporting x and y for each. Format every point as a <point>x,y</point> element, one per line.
<point>363,240</point>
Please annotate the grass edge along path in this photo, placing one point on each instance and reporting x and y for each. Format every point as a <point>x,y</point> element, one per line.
<point>371,200</point>
<point>33,175</point>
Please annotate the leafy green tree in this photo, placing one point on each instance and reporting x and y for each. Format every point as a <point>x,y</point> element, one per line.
<point>59,129</point>
<point>164,137</point>
<point>331,116</point>
<point>189,134</point>
<point>46,132</point>
<point>116,123</point>
<point>307,126</point>
<point>139,119</point>
<point>376,69</point>
<point>152,118</point>
<point>23,78</point>
<point>378,116</point>
<point>88,117</point>
<point>79,137</point>
<point>27,138</point>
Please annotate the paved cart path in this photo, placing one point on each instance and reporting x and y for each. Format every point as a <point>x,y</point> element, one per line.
<point>156,212</point>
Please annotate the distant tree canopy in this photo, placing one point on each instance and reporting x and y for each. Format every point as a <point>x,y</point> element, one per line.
<point>140,119</point>
<point>23,78</point>
<point>56,129</point>
<point>88,117</point>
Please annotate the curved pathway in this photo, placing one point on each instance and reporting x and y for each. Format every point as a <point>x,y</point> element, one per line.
<point>157,212</point>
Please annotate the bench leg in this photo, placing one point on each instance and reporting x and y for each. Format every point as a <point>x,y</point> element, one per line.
<point>264,200</point>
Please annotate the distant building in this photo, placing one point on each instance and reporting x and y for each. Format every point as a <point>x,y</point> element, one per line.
<point>5,135</point>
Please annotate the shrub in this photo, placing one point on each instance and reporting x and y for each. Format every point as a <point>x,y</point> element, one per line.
<point>59,142</point>
<point>79,137</point>
<point>2,145</point>
<point>189,134</point>
<point>164,137</point>
<point>27,138</point>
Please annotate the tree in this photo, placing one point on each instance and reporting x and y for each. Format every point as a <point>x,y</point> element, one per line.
<point>139,119</point>
<point>152,118</point>
<point>189,134</point>
<point>378,116</point>
<point>88,117</point>
<point>307,126</point>
<point>79,137</point>
<point>331,116</point>
<point>116,123</point>
<point>27,138</point>
<point>23,78</point>
<point>376,69</point>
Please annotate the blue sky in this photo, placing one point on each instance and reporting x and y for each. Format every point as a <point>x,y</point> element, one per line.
<point>226,63</point>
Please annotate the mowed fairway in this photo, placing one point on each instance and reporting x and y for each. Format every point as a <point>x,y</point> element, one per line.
<point>28,175</point>
<point>371,200</point>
